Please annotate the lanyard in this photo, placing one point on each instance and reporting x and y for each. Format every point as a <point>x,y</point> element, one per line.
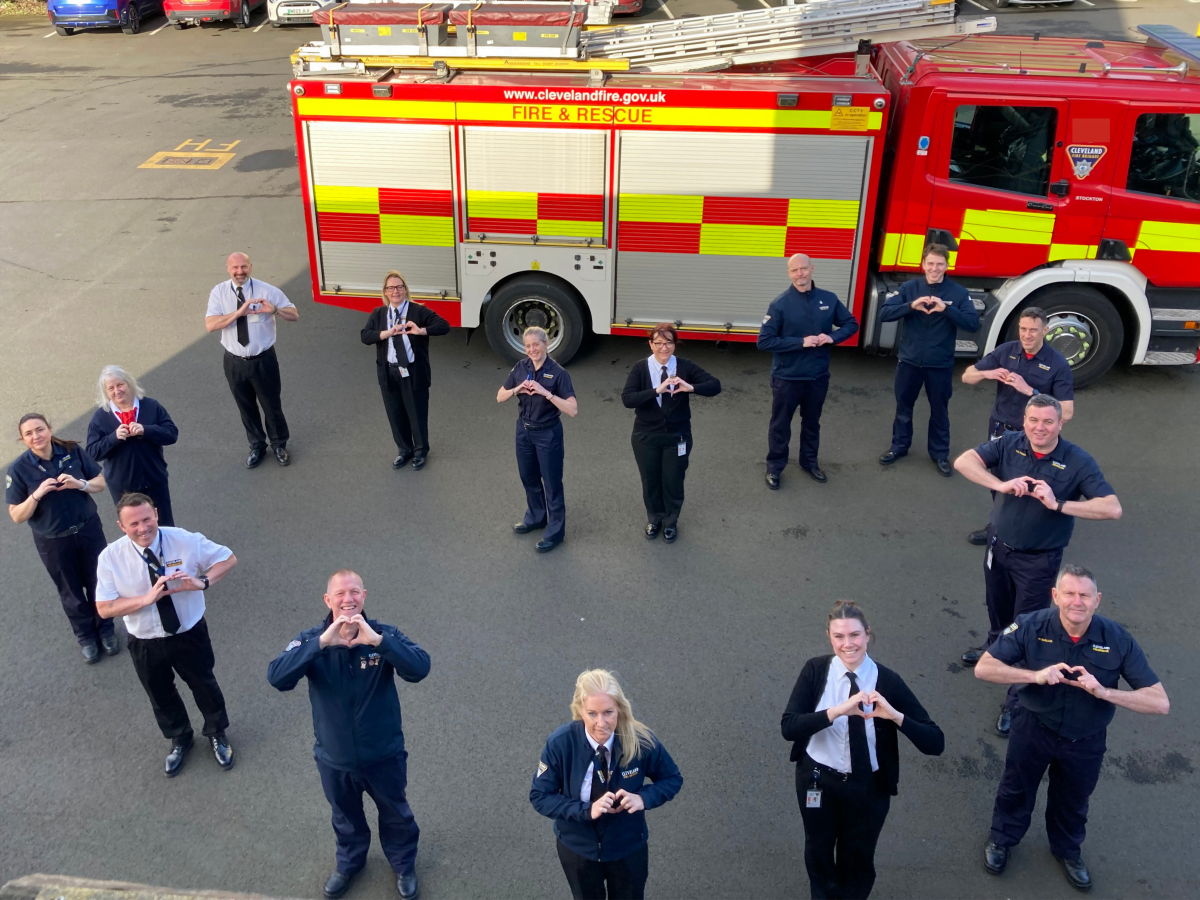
<point>249,284</point>
<point>401,314</point>
<point>160,569</point>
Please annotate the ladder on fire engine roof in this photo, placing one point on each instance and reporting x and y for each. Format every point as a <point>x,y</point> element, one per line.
<point>815,28</point>
<point>702,43</point>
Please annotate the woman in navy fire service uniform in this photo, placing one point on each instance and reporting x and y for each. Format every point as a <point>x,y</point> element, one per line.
<point>597,777</point>
<point>48,487</point>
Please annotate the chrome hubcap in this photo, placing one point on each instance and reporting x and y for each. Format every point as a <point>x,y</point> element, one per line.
<point>533,312</point>
<point>1073,335</point>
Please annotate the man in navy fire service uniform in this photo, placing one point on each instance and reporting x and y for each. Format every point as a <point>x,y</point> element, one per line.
<point>1067,661</point>
<point>1022,369</point>
<point>1042,485</point>
<point>801,325</point>
<point>350,662</point>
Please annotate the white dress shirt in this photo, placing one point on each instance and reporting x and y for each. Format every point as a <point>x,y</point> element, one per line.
<point>121,572</point>
<point>222,300</point>
<point>398,316</point>
<point>585,790</point>
<point>656,372</point>
<point>831,746</point>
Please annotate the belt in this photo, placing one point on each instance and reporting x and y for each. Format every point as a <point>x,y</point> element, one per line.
<point>74,529</point>
<point>544,426</point>
<point>270,349</point>
<point>832,773</point>
<point>1019,550</point>
<point>1056,735</point>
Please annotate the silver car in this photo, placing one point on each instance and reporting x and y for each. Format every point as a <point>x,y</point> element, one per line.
<point>291,12</point>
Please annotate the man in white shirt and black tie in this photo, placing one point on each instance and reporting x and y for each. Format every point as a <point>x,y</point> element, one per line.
<point>244,309</point>
<point>155,578</point>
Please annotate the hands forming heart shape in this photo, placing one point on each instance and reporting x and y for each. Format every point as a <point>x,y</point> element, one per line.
<point>1076,676</point>
<point>868,705</point>
<point>928,305</point>
<point>338,635</point>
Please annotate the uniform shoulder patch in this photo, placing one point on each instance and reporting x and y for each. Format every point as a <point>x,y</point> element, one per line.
<point>1010,629</point>
<point>542,767</point>
<point>7,482</point>
<point>292,646</point>
<point>766,319</point>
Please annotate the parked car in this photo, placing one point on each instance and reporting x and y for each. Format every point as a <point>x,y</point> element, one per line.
<point>68,16</point>
<point>182,13</point>
<point>291,12</point>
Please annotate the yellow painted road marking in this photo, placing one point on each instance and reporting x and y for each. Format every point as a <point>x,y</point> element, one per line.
<point>192,155</point>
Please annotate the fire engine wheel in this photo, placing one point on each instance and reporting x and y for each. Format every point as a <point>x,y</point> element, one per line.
<point>244,17</point>
<point>530,302</point>
<point>64,31</point>
<point>133,22</point>
<point>1084,327</point>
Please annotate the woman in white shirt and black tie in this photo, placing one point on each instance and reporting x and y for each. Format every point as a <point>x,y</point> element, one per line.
<point>843,717</point>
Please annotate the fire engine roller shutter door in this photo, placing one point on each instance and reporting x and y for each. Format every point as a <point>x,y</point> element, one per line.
<point>705,221</point>
<point>383,199</point>
<point>543,181</point>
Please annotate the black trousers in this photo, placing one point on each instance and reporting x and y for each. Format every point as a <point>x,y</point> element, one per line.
<point>1074,771</point>
<point>407,411</point>
<point>840,835</point>
<point>662,470</point>
<point>158,491</point>
<point>190,653</point>
<point>786,398</point>
<point>71,562</point>
<point>387,782</point>
<point>939,385</point>
<point>540,456</point>
<point>1017,582</point>
<point>255,382</point>
<point>611,879</point>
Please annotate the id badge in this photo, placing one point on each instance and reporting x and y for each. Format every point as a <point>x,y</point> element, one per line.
<point>403,372</point>
<point>812,800</point>
<point>683,448</point>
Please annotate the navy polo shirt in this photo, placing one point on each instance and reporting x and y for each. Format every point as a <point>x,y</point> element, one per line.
<point>58,510</point>
<point>1024,523</point>
<point>1047,373</point>
<point>1038,640</point>
<point>537,410</point>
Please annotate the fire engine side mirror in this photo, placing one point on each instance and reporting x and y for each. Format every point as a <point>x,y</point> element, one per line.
<point>1060,188</point>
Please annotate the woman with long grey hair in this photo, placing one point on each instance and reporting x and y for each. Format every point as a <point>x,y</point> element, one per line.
<point>597,777</point>
<point>127,434</point>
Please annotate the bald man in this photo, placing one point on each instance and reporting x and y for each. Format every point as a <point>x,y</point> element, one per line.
<point>801,325</point>
<point>244,310</point>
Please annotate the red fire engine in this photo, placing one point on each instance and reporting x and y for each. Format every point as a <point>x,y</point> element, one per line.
<point>1061,172</point>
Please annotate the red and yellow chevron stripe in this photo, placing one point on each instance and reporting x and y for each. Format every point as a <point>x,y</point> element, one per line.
<point>368,215</point>
<point>521,212</point>
<point>737,226</point>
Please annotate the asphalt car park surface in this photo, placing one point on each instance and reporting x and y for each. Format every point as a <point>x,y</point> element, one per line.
<point>102,261</point>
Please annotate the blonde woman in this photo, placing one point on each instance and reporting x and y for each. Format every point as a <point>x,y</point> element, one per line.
<point>400,331</point>
<point>597,777</point>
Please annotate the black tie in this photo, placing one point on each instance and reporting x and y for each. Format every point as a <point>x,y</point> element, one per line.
<point>243,327</point>
<point>600,775</point>
<point>860,754</point>
<point>661,379</point>
<point>165,606</point>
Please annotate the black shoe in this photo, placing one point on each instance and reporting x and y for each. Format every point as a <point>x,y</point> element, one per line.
<point>281,456</point>
<point>995,858</point>
<point>817,475</point>
<point>1076,873</point>
<point>91,653</point>
<point>669,534</point>
<point>652,531</point>
<point>522,528</point>
<point>890,457</point>
<point>337,884</point>
<point>179,750</point>
<point>944,468</point>
<point>978,538</point>
<point>773,480</point>
<point>222,751</point>
<point>110,644</point>
<point>407,886</point>
<point>547,546</point>
<point>418,463</point>
<point>255,457</point>
<point>398,463</point>
<point>972,656</point>
<point>1004,722</point>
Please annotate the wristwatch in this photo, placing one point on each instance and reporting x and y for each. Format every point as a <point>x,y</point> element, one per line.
<point>85,485</point>
<point>1035,392</point>
<point>204,578</point>
<point>1060,505</point>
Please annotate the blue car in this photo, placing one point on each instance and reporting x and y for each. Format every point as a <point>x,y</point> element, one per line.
<point>69,15</point>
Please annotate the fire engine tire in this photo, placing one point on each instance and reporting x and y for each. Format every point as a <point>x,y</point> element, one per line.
<point>1084,327</point>
<point>64,31</point>
<point>244,16</point>
<point>133,22</point>
<point>537,302</point>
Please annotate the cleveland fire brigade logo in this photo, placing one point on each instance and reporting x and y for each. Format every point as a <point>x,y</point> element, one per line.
<point>1084,158</point>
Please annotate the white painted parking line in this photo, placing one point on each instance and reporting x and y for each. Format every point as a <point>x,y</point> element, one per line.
<point>980,5</point>
<point>765,3</point>
<point>159,28</point>
<point>51,34</point>
<point>1090,3</point>
<point>664,8</point>
<point>259,28</point>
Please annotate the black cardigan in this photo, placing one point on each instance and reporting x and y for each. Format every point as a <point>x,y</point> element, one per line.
<point>801,720</point>
<point>422,317</point>
<point>675,414</point>
<point>136,462</point>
